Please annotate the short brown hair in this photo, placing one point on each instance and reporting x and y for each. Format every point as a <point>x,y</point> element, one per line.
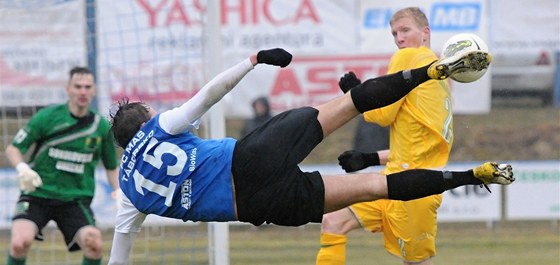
<point>79,70</point>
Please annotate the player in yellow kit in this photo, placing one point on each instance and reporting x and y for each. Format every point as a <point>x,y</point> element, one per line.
<point>421,135</point>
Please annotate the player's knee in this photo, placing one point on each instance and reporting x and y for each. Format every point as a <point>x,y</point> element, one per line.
<point>20,247</point>
<point>91,242</point>
<point>334,223</point>
<point>329,224</point>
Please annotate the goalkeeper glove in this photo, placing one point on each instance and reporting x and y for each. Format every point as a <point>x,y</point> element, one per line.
<point>28,178</point>
<point>352,161</point>
<point>278,57</point>
<point>348,81</point>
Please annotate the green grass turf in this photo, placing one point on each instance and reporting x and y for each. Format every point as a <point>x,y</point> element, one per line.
<point>512,243</point>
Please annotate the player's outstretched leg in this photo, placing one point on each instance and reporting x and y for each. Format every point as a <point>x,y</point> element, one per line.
<point>372,94</point>
<point>385,90</point>
<point>418,183</point>
<point>492,172</point>
<point>469,61</point>
<point>409,184</point>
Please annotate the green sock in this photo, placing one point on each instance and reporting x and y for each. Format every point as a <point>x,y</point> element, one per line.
<point>13,261</point>
<point>87,261</point>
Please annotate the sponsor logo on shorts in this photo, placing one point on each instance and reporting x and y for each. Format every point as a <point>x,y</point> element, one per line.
<point>21,208</point>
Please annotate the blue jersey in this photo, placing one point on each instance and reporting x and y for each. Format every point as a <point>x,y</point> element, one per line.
<point>179,176</point>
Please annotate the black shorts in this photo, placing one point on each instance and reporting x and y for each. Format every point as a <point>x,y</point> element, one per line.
<point>269,185</point>
<point>69,216</point>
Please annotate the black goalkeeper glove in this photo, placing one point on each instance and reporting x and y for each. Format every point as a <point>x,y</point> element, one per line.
<point>352,161</point>
<point>278,57</point>
<point>348,81</point>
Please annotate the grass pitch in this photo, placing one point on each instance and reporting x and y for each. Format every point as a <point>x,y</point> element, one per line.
<point>512,243</point>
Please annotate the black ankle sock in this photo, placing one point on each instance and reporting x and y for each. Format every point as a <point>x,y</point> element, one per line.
<point>418,183</point>
<point>414,184</point>
<point>457,179</point>
<point>385,90</point>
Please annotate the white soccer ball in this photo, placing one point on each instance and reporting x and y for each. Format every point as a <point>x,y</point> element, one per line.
<point>461,43</point>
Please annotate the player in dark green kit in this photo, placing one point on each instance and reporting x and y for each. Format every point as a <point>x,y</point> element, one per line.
<point>58,183</point>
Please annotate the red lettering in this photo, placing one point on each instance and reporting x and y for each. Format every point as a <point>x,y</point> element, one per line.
<point>198,6</point>
<point>306,11</point>
<point>326,77</point>
<point>227,10</point>
<point>311,81</point>
<point>152,13</point>
<point>253,12</point>
<point>177,14</point>
<point>286,82</point>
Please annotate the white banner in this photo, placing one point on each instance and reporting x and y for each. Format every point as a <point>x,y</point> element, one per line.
<point>154,50</point>
<point>41,42</point>
<point>471,202</point>
<point>527,25</point>
<point>536,191</point>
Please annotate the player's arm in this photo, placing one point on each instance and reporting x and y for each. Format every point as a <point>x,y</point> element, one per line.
<point>113,179</point>
<point>129,221</point>
<point>181,118</point>
<point>383,156</point>
<point>14,155</point>
<point>110,162</point>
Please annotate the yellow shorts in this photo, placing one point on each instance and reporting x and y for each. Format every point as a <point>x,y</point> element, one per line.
<point>409,227</point>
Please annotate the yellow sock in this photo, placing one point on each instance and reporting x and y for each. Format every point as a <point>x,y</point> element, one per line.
<point>333,250</point>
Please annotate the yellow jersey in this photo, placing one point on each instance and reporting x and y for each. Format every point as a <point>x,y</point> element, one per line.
<point>421,123</point>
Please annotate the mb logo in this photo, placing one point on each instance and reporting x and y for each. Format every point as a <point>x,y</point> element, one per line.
<point>456,16</point>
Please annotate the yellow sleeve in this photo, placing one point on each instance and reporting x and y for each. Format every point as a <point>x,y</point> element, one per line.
<point>403,59</point>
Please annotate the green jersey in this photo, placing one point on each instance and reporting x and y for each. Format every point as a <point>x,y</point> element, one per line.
<point>66,152</point>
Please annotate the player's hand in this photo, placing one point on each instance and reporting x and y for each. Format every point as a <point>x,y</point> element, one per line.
<point>348,81</point>
<point>352,161</point>
<point>29,180</point>
<point>278,57</point>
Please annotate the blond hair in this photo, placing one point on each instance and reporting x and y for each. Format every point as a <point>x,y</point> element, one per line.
<point>414,13</point>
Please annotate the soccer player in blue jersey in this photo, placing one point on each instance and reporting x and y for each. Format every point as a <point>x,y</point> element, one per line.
<point>168,171</point>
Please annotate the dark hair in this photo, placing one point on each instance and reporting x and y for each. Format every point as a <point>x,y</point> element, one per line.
<point>127,120</point>
<point>264,101</point>
<point>79,70</point>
